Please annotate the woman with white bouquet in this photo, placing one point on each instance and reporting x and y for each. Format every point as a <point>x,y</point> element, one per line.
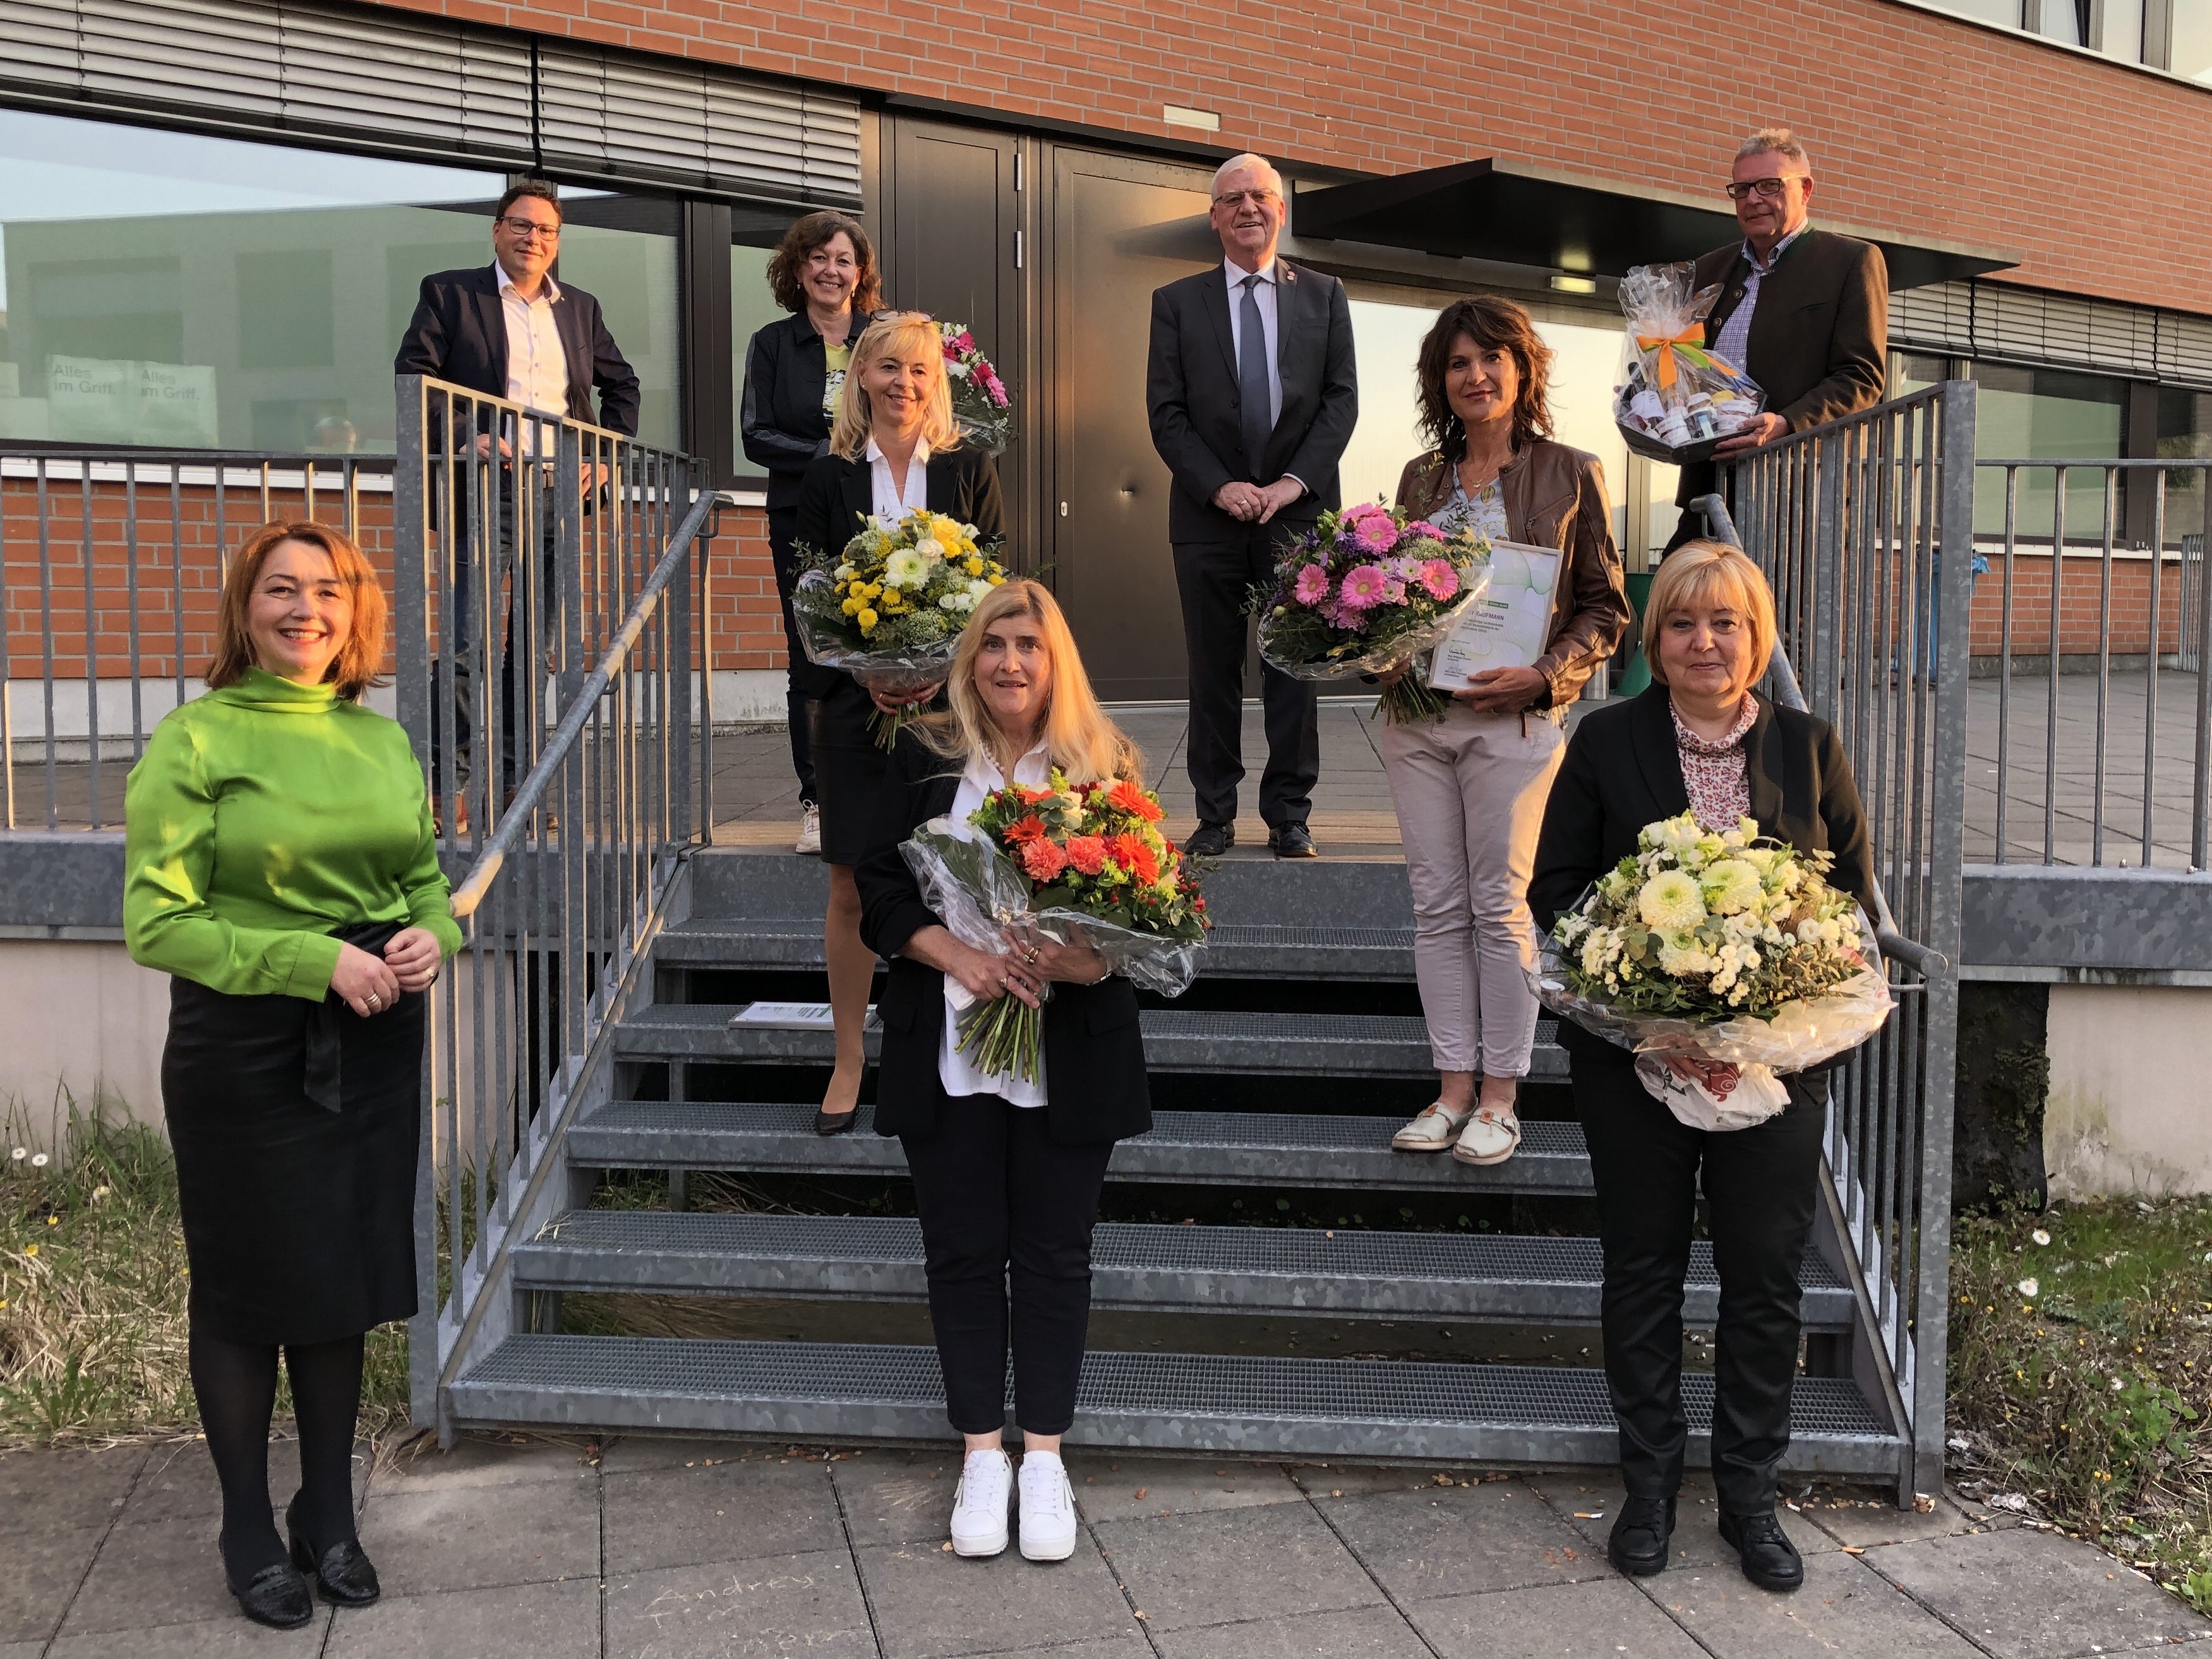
<point>1700,741</point>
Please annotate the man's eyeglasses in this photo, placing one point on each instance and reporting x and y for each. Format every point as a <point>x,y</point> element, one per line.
<point>1239,197</point>
<point>526,230</point>
<point>1767,188</point>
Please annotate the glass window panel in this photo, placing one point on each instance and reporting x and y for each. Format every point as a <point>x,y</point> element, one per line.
<point>2185,433</point>
<point>2124,30</point>
<point>2036,414</point>
<point>622,251</point>
<point>753,238</point>
<point>2189,40</point>
<point>1913,371</point>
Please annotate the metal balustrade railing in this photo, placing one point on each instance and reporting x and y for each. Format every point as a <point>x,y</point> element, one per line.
<point>1864,527</point>
<point>111,569</point>
<point>578,555</point>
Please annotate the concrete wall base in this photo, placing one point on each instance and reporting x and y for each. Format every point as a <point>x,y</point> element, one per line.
<point>2130,1102</point>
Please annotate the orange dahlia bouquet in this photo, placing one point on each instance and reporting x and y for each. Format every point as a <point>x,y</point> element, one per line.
<point>1068,862</point>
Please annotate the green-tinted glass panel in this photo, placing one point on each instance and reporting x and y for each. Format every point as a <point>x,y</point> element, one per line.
<point>2043,414</point>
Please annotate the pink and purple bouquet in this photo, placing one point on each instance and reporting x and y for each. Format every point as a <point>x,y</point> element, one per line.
<point>1366,590</point>
<point>979,403</point>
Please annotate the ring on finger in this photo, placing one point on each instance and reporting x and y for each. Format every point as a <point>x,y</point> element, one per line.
<point>1030,956</point>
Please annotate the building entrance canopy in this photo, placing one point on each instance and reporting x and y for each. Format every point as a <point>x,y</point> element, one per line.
<point>1505,210</point>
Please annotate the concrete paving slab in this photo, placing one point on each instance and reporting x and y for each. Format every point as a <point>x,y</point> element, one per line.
<point>45,1567</point>
<point>1362,1479</point>
<point>932,1604</point>
<point>206,1638</point>
<point>22,1650</point>
<point>1867,1520</point>
<point>1598,1618</point>
<point>482,1460</point>
<point>898,1497</point>
<point>41,1491</point>
<point>1114,1488</point>
<point>802,1603</point>
<point>1193,1569</point>
<point>1590,1500</point>
<point>179,1481</point>
<point>1845,1610</point>
<point>1498,1534</point>
<point>1375,1632</point>
<point>655,1451</point>
<point>515,1621</point>
<point>681,1517</point>
<point>2024,1594</point>
<point>165,1573</point>
<point>1110,1647</point>
<point>479,1537</point>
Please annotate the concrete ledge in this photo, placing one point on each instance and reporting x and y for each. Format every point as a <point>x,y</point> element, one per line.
<point>2034,921</point>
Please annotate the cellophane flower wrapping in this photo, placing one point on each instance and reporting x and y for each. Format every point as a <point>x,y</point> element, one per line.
<point>889,606</point>
<point>1676,400</point>
<point>1727,950</point>
<point>979,403</point>
<point>1068,863</point>
<point>1366,590</point>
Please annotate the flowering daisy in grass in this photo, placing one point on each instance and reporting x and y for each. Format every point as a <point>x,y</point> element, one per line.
<point>1365,592</point>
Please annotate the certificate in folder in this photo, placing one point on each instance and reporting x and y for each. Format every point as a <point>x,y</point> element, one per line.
<point>1511,625</point>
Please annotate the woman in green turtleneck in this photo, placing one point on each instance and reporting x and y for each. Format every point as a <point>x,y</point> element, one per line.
<point>279,863</point>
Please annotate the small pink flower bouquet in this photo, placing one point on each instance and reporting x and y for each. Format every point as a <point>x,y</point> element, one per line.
<point>979,403</point>
<point>1368,590</point>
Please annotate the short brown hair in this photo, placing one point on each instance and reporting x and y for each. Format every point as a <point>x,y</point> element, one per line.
<point>1497,325</point>
<point>355,668</point>
<point>788,265</point>
<point>533,187</point>
<point>1700,572</point>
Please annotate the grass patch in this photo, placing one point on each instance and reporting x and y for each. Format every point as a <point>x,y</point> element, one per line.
<point>93,1284</point>
<point>2081,1376</point>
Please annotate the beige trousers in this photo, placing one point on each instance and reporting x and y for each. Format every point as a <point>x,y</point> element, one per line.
<point>1470,790</point>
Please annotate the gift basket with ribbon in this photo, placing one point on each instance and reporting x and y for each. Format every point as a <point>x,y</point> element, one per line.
<point>1677,400</point>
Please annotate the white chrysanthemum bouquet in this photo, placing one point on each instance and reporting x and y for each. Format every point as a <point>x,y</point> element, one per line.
<point>1722,959</point>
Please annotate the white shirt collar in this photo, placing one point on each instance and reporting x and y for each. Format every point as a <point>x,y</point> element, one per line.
<point>1780,248</point>
<point>1236,273</point>
<point>920,453</point>
<point>550,293</point>
<point>1031,768</point>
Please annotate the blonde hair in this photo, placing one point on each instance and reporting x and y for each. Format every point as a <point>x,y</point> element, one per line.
<point>1078,737</point>
<point>355,668</point>
<point>1709,572</point>
<point>897,333</point>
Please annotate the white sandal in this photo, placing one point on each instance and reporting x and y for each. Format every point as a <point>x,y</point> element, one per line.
<point>1433,1131</point>
<point>1491,1136</point>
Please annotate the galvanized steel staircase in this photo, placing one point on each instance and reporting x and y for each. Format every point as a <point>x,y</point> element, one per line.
<point>1288,1075</point>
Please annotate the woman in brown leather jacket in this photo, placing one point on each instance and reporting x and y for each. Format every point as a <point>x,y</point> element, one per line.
<point>1469,786</point>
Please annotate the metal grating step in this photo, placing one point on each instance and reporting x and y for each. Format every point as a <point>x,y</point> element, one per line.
<point>1355,1275</point>
<point>1365,953</point>
<point>1393,1411</point>
<point>1201,1148</point>
<point>1294,1045</point>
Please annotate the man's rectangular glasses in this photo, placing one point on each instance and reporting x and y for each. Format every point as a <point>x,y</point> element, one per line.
<point>1239,197</point>
<point>526,229</point>
<point>1769,188</point>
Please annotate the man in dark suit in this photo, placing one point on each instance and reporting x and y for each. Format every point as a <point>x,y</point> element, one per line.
<point>1252,395</point>
<point>509,330</point>
<point>1805,312</point>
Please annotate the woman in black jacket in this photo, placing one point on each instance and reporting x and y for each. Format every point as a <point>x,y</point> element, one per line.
<point>1699,740</point>
<point>824,272</point>
<point>895,448</point>
<point>1006,1171</point>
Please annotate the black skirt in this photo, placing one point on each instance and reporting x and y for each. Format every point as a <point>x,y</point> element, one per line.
<point>299,1220</point>
<point>849,770</point>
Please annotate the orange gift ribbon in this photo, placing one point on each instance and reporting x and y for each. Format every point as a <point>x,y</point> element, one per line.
<point>1690,343</point>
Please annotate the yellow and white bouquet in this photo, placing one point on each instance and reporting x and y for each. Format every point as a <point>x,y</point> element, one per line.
<point>889,607</point>
<point>1723,959</point>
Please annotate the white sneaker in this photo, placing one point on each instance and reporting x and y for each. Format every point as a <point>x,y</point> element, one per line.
<point>810,828</point>
<point>979,1507</point>
<point>1048,1508</point>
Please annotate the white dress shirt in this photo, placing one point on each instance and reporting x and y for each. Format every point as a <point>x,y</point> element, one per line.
<point>890,503</point>
<point>1265,294</point>
<point>536,366</point>
<point>954,1069</point>
<point>1733,344</point>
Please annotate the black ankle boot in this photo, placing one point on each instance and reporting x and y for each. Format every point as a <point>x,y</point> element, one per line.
<point>1642,1536</point>
<point>1770,1560</point>
<point>345,1574</point>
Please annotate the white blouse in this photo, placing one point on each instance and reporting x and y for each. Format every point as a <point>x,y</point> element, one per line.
<point>954,1069</point>
<point>891,503</point>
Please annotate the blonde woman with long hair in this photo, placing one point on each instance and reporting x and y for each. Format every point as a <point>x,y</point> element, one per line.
<point>894,447</point>
<point>1006,1172</point>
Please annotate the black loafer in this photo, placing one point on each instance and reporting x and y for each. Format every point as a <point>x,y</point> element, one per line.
<point>1292,841</point>
<point>835,1123</point>
<point>1770,1560</point>
<point>344,1572</point>
<point>1642,1536</point>
<point>276,1596</point>
<point>1210,841</point>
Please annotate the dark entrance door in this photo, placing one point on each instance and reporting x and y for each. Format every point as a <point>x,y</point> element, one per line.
<point>1120,227</point>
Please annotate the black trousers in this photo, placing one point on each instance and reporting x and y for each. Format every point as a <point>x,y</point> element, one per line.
<point>804,683</point>
<point>1760,1185</point>
<point>1001,1203</point>
<point>524,637</point>
<point>1215,580</point>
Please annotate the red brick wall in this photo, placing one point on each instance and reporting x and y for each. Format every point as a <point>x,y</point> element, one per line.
<point>1920,124</point>
<point>2080,604</point>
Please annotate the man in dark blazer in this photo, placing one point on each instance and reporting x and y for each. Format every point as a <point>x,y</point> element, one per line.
<point>1252,395</point>
<point>508,330</point>
<point>1805,312</point>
